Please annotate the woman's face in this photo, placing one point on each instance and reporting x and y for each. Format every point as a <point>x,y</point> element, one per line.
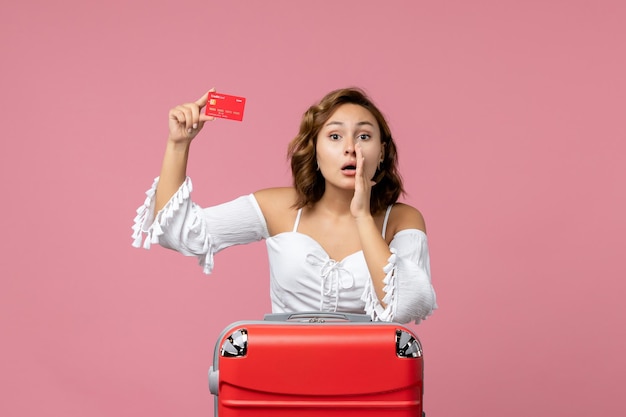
<point>348,126</point>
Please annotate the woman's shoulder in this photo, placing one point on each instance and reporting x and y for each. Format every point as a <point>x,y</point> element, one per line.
<point>277,197</point>
<point>404,216</point>
<point>277,205</point>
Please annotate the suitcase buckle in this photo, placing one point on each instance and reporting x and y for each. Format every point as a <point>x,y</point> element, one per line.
<point>317,320</point>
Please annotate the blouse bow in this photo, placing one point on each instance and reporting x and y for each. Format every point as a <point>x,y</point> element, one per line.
<point>333,276</point>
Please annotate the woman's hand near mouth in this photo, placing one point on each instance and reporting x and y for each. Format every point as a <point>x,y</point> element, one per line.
<point>360,204</point>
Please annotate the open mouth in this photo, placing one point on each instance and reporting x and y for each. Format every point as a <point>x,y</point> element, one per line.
<point>349,168</point>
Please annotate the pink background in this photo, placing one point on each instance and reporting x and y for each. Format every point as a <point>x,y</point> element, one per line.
<point>509,117</point>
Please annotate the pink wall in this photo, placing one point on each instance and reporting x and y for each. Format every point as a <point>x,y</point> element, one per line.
<point>509,117</point>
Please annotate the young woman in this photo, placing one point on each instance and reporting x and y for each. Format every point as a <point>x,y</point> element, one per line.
<point>337,240</point>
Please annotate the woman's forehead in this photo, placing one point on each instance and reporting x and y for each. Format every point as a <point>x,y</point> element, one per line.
<point>353,114</point>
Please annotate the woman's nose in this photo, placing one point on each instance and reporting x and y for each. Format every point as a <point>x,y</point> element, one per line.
<point>349,147</point>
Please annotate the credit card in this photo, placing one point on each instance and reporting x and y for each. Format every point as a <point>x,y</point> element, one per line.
<point>225,106</point>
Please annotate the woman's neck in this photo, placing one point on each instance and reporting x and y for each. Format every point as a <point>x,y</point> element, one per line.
<point>336,201</point>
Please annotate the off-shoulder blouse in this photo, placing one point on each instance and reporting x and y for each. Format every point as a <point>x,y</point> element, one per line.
<point>302,275</point>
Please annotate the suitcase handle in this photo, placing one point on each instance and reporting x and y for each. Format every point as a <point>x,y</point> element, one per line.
<point>317,317</point>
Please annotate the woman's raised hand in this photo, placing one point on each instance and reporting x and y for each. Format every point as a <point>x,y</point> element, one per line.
<point>186,120</point>
<point>360,205</point>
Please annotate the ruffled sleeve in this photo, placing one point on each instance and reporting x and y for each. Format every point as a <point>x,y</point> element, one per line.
<point>409,294</point>
<point>184,226</point>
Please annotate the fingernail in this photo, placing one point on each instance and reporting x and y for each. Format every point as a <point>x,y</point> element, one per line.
<point>195,125</point>
<point>188,130</point>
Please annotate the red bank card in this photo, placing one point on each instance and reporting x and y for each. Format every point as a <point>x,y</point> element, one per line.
<point>225,106</point>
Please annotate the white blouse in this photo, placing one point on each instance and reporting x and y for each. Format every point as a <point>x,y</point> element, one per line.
<point>302,275</point>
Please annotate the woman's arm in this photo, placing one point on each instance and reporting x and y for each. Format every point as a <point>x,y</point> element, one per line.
<point>170,218</point>
<point>400,288</point>
<point>375,246</point>
<point>185,122</point>
<point>409,294</point>
<point>376,250</point>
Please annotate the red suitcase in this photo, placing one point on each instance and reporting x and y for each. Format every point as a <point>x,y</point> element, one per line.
<point>312,364</point>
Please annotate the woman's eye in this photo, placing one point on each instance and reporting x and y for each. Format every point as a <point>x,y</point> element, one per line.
<point>364,136</point>
<point>334,136</point>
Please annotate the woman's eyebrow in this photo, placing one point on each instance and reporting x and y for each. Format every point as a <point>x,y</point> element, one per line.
<point>338,123</point>
<point>334,123</point>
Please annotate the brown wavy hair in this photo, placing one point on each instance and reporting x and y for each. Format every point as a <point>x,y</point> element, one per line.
<point>309,182</point>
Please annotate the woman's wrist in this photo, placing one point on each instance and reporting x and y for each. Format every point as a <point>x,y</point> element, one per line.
<point>177,145</point>
<point>365,222</point>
